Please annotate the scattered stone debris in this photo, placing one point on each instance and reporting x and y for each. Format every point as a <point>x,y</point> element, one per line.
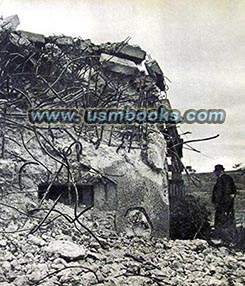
<point>47,258</point>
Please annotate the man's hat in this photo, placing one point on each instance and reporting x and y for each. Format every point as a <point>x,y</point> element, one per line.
<point>219,168</point>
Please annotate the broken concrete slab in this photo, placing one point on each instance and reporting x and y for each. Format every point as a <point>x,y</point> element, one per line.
<point>18,41</point>
<point>9,23</point>
<point>118,65</point>
<point>153,68</point>
<point>35,38</point>
<point>64,41</point>
<point>66,249</point>
<point>156,73</point>
<point>133,53</point>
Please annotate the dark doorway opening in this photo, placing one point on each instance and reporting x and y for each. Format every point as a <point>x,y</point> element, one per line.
<point>85,193</point>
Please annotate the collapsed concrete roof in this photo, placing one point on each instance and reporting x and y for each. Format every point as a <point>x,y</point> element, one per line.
<point>58,62</point>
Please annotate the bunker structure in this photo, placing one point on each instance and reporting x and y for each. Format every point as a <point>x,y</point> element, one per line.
<point>120,167</point>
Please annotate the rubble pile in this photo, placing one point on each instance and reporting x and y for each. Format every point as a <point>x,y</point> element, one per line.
<point>58,254</point>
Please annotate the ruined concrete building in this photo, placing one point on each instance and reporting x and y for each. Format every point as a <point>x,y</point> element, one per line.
<point>110,167</point>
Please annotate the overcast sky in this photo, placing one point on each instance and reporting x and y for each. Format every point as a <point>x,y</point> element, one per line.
<point>200,46</point>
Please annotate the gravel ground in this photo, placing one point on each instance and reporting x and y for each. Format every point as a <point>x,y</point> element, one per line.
<point>59,253</point>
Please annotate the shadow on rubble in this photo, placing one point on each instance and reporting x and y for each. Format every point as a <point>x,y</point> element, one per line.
<point>190,219</point>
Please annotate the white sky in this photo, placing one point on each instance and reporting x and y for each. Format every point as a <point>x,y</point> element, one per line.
<point>200,46</point>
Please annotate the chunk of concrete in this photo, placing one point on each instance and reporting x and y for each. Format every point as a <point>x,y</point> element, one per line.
<point>18,41</point>
<point>156,73</point>
<point>153,68</point>
<point>118,65</point>
<point>35,38</point>
<point>64,41</point>
<point>66,249</point>
<point>10,23</point>
<point>133,53</point>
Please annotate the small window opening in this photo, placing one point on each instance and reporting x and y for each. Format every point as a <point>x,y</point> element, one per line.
<point>85,193</point>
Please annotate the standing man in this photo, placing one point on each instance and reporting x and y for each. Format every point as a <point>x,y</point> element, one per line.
<point>223,196</point>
